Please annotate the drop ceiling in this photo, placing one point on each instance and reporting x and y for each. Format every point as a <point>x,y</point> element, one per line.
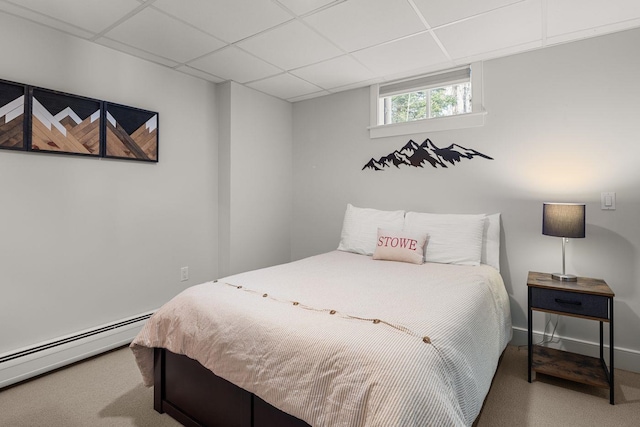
<point>300,49</point>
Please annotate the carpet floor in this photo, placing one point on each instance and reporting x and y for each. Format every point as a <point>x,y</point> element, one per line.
<point>107,391</point>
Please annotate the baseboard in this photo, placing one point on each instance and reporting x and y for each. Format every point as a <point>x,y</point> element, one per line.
<point>22,364</point>
<point>34,364</point>
<point>626,359</point>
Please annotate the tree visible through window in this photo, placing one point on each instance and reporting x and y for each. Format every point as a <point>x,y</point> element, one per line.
<point>428,103</point>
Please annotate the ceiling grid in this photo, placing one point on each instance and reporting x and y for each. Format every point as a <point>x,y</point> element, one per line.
<point>300,49</point>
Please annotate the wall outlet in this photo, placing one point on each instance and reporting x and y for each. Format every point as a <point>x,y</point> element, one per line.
<point>184,274</point>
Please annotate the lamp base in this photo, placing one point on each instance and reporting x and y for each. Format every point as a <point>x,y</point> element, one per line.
<point>564,277</point>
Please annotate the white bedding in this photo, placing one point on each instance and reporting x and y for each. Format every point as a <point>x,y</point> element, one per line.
<point>428,361</point>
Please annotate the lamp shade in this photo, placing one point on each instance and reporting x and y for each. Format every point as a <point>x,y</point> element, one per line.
<point>563,220</point>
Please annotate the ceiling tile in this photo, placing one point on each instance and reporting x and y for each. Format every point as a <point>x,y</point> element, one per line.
<point>291,45</point>
<point>44,20</point>
<point>308,96</point>
<point>91,15</point>
<point>200,74</point>
<point>438,12</point>
<point>412,53</point>
<point>136,52</point>
<point>232,63</point>
<point>568,16</point>
<point>301,7</point>
<point>335,72</point>
<point>229,20</point>
<point>284,86</point>
<point>356,24</point>
<point>515,25</point>
<point>357,85</point>
<point>157,33</point>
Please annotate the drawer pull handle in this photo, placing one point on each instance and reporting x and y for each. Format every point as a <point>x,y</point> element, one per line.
<point>566,301</point>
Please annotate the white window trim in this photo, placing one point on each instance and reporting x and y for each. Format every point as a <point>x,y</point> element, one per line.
<point>460,121</point>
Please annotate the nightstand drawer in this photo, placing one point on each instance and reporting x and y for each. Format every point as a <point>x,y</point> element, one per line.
<point>570,302</point>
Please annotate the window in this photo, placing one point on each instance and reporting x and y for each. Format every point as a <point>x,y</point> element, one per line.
<point>446,100</point>
<point>441,95</point>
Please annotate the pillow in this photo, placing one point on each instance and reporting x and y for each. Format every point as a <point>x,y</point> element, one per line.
<point>400,246</point>
<point>491,241</point>
<point>453,239</point>
<point>360,228</point>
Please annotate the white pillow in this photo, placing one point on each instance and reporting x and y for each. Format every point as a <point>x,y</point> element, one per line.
<point>403,246</point>
<point>453,239</point>
<point>491,242</point>
<point>360,228</point>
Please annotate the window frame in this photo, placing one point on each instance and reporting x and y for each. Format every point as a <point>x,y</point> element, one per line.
<point>460,121</point>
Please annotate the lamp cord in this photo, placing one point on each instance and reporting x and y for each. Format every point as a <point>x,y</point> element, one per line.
<point>553,332</point>
<point>545,340</point>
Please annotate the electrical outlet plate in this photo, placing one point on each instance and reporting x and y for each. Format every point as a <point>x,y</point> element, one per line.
<point>184,274</point>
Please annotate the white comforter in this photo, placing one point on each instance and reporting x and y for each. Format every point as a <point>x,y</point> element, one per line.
<point>369,343</point>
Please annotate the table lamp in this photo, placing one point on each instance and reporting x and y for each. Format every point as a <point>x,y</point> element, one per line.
<point>566,220</point>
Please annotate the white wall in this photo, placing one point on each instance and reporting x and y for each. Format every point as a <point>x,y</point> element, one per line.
<point>562,125</point>
<point>87,241</point>
<point>255,179</point>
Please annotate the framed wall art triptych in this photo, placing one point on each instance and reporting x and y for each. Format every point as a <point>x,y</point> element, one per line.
<point>42,120</point>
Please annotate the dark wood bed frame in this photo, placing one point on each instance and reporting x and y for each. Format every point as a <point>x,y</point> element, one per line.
<point>196,397</point>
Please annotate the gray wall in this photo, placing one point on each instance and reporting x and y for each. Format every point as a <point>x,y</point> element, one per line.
<point>562,125</point>
<point>255,174</point>
<point>86,241</point>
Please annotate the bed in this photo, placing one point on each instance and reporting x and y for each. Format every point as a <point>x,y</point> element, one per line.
<point>337,339</point>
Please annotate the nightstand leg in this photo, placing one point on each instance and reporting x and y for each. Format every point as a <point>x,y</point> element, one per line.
<point>601,343</point>
<point>611,400</point>
<point>530,334</point>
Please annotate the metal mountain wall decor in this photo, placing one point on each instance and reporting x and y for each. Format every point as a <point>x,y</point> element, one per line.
<point>415,155</point>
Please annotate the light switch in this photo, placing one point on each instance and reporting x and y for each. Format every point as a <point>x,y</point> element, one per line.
<point>608,201</point>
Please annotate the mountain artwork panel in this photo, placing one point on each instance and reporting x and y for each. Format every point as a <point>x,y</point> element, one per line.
<point>12,117</point>
<point>427,153</point>
<point>132,133</point>
<point>65,123</point>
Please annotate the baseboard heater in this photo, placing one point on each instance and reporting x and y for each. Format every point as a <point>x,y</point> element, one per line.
<point>25,363</point>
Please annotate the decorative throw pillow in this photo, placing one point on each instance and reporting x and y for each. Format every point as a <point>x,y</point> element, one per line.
<point>401,246</point>
<point>361,225</point>
<point>453,239</point>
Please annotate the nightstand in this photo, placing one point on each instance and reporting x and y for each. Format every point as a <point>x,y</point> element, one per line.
<point>585,298</point>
